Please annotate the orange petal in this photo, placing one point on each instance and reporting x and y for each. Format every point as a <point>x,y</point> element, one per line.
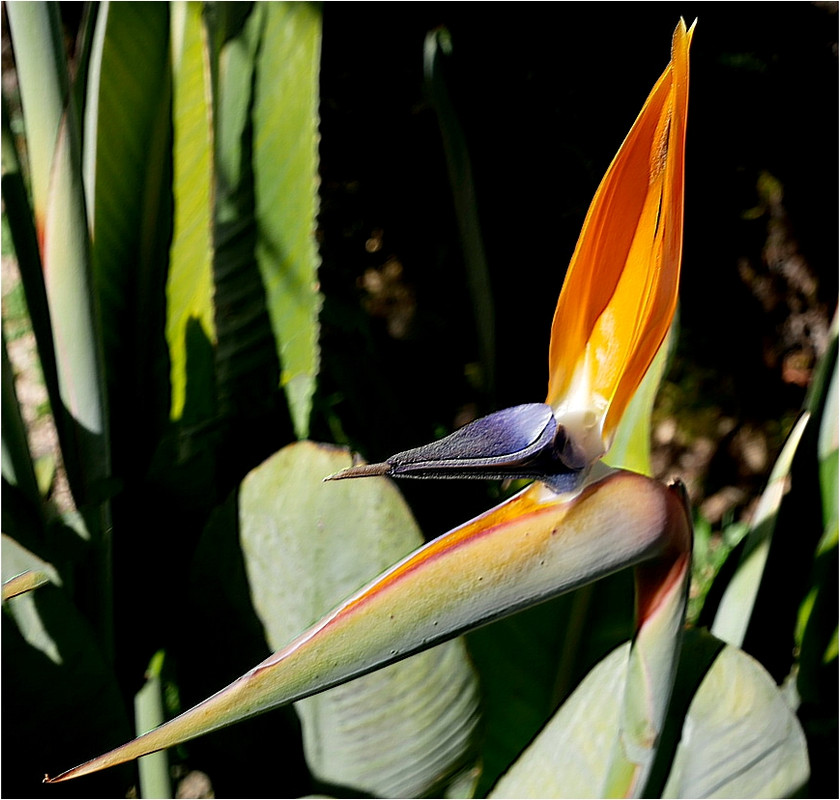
<point>620,292</point>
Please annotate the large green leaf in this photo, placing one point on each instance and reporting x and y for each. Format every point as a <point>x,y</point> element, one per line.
<point>65,255</point>
<point>246,358</point>
<point>308,545</point>
<point>739,738</point>
<point>285,154</point>
<point>127,180</point>
<point>42,79</point>
<point>736,607</point>
<point>23,570</point>
<point>53,146</point>
<point>571,755</point>
<point>189,290</point>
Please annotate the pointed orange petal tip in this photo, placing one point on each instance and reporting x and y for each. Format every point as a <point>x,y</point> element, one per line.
<point>620,291</point>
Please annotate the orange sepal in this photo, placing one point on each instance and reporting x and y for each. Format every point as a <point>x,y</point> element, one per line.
<point>620,291</point>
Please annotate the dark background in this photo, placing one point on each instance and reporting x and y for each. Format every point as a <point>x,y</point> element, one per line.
<point>545,94</point>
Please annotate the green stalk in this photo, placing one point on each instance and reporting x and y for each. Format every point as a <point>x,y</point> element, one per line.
<point>661,598</point>
<point>148,714</point>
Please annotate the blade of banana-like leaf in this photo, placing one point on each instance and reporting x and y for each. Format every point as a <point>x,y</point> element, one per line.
<point>534,546</point>
<point>23,570</point>
<point>739,738</point>
<point>17,465</point>
<point>285,119</point>
<point>25,582</point>
<point>189,286</point>
<point>25,240</point>
<point>736,606</point>
<point>620,292</point>
<point>399,732</point>
<point>246,360</point>
<point>36,35</point>
<point>127,161</point>
<point>827,443</point>
<point>570,755</point>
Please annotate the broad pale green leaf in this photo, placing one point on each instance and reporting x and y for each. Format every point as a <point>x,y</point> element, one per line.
<point>740,738</point>
<point>572,754</point>
<point>308,545</point>
<point>285,158</point>
<point>189,288</point>
<point>736,606</point>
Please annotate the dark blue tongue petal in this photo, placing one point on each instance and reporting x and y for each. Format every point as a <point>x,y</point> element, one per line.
<point>519,442</point>
<point>508,436</point>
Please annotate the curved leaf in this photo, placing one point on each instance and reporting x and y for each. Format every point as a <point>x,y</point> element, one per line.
<point>739,737</point>
<point>189,287</point>
<point>396,732</point>
<point>24,571</point>
<point>572,754</point>
<point>736,607</point>
<point>127,179</point>
<point>285,157</point>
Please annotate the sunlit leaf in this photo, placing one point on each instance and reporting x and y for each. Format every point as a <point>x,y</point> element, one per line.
<point>189,287</point>
<point>308,545</point>
<point>571,755</point>
<point>127,179</point>
<point>736,607</point>
<point>23,571</point>
<point>740,738</point>
<point>285,156</point>
<point>41,68</point>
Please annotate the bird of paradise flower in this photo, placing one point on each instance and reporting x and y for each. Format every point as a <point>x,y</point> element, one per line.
<point>578,520</point>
